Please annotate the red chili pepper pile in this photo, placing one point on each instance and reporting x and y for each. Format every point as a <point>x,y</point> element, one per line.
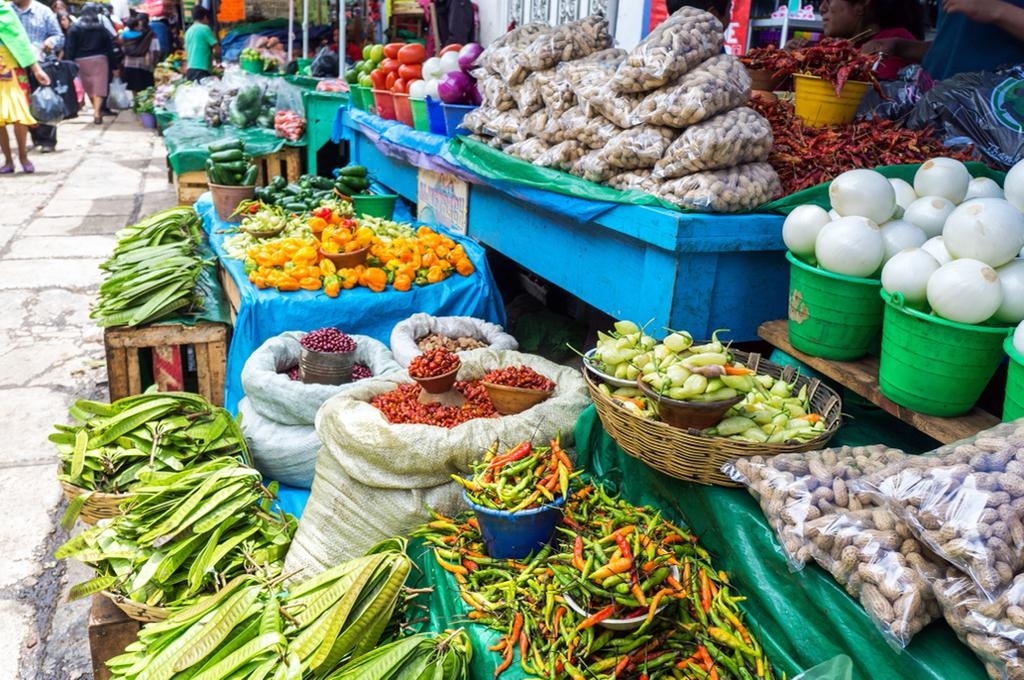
<point>401,405</point>
<point>433,363</point>
<point>804,156</point>
<point>778,61</point>
<point>521,478</point>
<point>836,61</point>
<point>519,376</point>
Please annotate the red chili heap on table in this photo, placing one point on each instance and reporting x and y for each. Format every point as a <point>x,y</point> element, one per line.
<point>519,376</point>
<point>434,363</point>
<point>805,156</point>
<point>401,405</point>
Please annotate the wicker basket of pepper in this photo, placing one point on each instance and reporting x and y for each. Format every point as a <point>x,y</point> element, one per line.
<point>691,455</point>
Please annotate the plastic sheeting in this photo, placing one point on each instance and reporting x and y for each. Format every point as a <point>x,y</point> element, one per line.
<point>186,140</point>
<point>263,314</point>
<point>819,194</point>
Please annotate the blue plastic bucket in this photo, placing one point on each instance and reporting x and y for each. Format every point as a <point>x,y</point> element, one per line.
<point>514,535</point>
<point>436,116</point>
<point>453,115</point>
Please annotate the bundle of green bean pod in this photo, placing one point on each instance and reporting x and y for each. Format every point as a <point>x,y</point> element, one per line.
<point>183,535</point>
<point>115,443</point>
<point>256,628</point>
<point>153,271</point>
<point>426,656</point>
<point>625,562</point>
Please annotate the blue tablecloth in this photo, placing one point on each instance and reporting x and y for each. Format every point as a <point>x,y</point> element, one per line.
<point>263,314</point>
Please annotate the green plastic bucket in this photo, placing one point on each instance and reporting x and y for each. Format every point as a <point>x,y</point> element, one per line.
<point>934,366</point>
<point>355,99</point>
<point>420,117</point>
<point>830,315</point>
<point>1013,404</point>
<point>375,205</point>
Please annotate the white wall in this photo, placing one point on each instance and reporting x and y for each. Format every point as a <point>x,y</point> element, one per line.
<point>495,16</point>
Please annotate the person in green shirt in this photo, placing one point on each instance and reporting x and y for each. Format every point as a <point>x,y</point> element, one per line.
<point>200,44</point>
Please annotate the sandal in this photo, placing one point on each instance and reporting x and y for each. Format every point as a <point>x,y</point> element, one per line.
<point>97,121</point>
<point>7,169</point>
<point>27,167</point>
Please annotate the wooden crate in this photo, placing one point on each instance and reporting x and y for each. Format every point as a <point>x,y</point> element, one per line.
<point>190,186</point>
<point>287,163</point>
<point>110,631</point>
<point>162,351</point>
<point>231,291</point>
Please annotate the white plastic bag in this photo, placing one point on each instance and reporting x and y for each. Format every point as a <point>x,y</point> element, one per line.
<point>117,96</point>
<point>285,453</point>
<point>405,334</point>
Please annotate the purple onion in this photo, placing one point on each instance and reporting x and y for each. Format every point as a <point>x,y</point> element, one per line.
<point>453,86</point>
<point>328,340</point>
<point>468,55</point>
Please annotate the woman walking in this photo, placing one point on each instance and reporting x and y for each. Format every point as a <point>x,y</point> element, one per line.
<point>91,46</point>
<point>16,54</point>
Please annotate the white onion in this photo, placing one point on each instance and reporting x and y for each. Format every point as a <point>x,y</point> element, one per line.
<point>1013,186</point>
<point>851,246</point>
<point>942,177</point>
<point>801,228</point>
<point>983,187</point>
<point>966,291</point>
<point>1011,282</point>
<point>905,194</point>
<point>907,272</point>
<point>929,213</point>
<point>450,63</point>
<point>432,69</point>
<point>833,215</point>
<point>1018,338</point>
<point>986,229</point>
<point>864,193</point>
<point>936,247</point>
<point>899,235</point>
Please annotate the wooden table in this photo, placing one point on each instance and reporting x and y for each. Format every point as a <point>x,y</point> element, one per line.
<point>861,376</point>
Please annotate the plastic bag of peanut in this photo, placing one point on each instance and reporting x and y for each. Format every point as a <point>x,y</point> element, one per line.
<point>527,95</point>
<point>639,180</point>
<point>732,138</point>
<point>557,94</point>
<point>561,156</point>
<point>528,150</point>
<point>493,58</point>
<point>569,41</point>
<point>719,84</point>
<point>678,45</point>
<point>638,148</point>
<point>593,167</point>
<point>496,95</point>
<point>994,630</point>
<point>966,502</point>
<point>597,132</point>
<point>743,187</point>
<point>808,501</point>
<point>506,126</point>
<point>475,120</point>
<point>535,124</point>
<point>597,99</point>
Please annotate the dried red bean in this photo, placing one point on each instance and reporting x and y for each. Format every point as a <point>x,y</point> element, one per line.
<point>435,362</point>
<point>329,340</point>
<point>519,376</point>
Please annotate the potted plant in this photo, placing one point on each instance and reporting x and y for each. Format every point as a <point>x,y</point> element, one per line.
<point>143,106</point>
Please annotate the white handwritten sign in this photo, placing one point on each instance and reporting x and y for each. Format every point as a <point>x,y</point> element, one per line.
<point>442,199</point>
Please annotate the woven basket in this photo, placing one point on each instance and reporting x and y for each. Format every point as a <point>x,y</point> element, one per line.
<point>139,611</point>
<point>695,457</point>
<point>99,506</point>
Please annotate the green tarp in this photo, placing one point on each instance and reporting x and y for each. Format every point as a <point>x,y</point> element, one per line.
<point>802,619</point>
<point>187,139</point>
<point>498,166</point>
<point>819,194</point>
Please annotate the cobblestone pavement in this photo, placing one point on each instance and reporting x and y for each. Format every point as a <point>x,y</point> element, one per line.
<point>56,226</point>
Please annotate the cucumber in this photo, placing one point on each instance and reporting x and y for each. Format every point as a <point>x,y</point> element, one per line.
<point>321,183</point>
<point>279,182</point>
<point>228,156</point>
<point>295,206</point>
<point>235,166</point>
<point>225,145</point>
<point>353,171</point>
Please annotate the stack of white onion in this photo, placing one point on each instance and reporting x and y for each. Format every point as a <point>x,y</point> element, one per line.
<point>948,242</point>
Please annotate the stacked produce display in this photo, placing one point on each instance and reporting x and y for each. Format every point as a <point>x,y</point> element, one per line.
<point>668,118</point>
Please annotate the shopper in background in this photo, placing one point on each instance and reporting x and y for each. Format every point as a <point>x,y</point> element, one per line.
<point>863,20</point>
<point>200,45</point>
<point>139,45</point>
<point>16,54</point>
<point>91,46</point>
<point>971,35</point>
<point>44,33</point>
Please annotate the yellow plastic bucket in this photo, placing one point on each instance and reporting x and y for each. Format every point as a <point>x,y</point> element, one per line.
<point>816,102</point>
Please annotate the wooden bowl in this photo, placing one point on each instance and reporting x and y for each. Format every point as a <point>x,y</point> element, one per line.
<point>438,384</point>
<point>688,414</point>
<point>347,260</point>
<point>510,400</point>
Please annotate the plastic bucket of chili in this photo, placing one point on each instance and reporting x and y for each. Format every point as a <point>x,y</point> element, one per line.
<point>816,103</point>
<point>514,535</point>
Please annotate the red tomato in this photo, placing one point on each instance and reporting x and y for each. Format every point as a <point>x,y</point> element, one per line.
<point>454,47</point>
<point>410,72</point>
<point>391,50</point>
<point>379,78</point>
<point>390,65</point>
<point>389,81</point>
<point>413,53</point>
<point>400,86</point>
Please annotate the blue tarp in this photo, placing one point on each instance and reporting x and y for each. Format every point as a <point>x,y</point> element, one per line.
<point>262,314</point>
